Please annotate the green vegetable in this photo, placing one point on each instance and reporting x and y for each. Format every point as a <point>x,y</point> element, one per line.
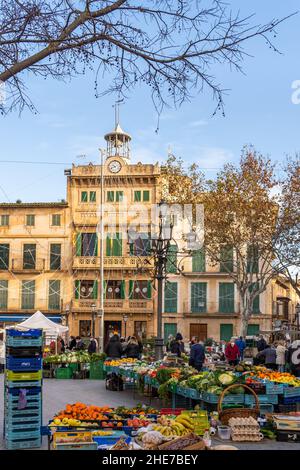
<point>226,378</point>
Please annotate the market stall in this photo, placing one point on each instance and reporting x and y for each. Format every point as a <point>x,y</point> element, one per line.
<point>76,364</point>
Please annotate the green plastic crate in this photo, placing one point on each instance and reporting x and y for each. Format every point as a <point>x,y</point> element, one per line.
<point>64,373</point>
<point>97,371</point>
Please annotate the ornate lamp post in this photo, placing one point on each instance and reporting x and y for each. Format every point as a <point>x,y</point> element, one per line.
<point>125,318</point>
<point>297,313</point>
<point>93,306</point>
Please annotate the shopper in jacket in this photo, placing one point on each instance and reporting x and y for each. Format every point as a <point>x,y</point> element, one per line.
<point>92,348</point>
<point>294,357</point>
<point>241,344</point>
<point>177,345</point>
<point>269,355</point>
<point>261,344</point>
<point>114,348</point>
<point>281,356</point>
<point>133,350</point>
<point>72,343</point>
<point>197,355</point>
<point>232,353</point>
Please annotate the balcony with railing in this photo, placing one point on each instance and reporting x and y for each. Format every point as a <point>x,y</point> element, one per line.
<point>115,305</point>
<point>18,265</point>
<point>202,307</point>
<point>111,262</point>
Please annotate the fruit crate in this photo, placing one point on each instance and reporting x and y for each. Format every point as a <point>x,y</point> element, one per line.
<point>179,401</point>
<point>272,399</point>
<point>27,424</point>
<point>97,371</point>
<point>24,352</point>
<point>274,388</point>
<point>229,399</point>
<point>290,400</point>
<point>173,388</point>
<point>30,333</point>
<point>200,420</point>
<point>23,444</point>
<point>20,384</point>
<point>18,342</point>
<point>71,437</point>
<point>16,391</point>
<point>182,391</point>
<point>64,373</point>
<point>20,376</point>
<point>194,394</point>
<point>78,446</point>
<point>111,440</point>
<point>265,408</point>
<point>32,418</point>
<point>287,408</point>
<point>291,392</point>
<point>171,411</point>
<point>23,364</point>
<point>18,433</point>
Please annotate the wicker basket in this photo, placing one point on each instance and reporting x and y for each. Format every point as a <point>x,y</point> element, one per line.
<point>225,415</point>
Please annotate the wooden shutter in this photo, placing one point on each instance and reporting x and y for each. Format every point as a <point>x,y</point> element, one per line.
<point>131,288</point>
<point>84,196</point>
<point>4,256</point>
<point>78,244</point>
<point>256,302</point>
<point>226,297</point>
<point>3,294</point>
<point>149,290</point>
<point>226,331</point>
<point>146,196</point>
<point>172,259</point>
<point>199,297</point>
<point>77,289</point>
<point>92,196</point>
<point>137,196</point>
<point>123,289</point>
<point>95,289</point>
<point>171,297</point>
<point>28,295</point>
<point>119,196</point>
<point>226,255</point>
<point>117,245</point>
<point>54,295</point>
<point>169,329</point>
<point>253,330</point>
<point>252,259</point>
<point>110,195</point>
<point>198,261</point>
<point>109,245</point>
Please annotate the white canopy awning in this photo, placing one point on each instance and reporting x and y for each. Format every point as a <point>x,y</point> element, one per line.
<point>38,320</point>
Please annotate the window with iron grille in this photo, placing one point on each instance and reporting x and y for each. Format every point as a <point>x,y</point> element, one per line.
<point>28,295</point>
<point>171,297</point>
<point>54,295</point>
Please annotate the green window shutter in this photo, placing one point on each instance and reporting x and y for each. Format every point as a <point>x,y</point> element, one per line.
<point>256,302</point>
<point>146,196</point>
<point>3,294</point>
<point>55,256</point>
<point>92,196</point>
<point>4,220</point>
<point>123,289</point>
<point>171,265</point>
<point>104,289</point>
<point>199,297</point>
<point>226,331</point>
<point>226,263</point>
<point>252,259</point>
<point>119,196</point>
<point>84,196</point>
<point>110,196</point>
<point>28,295</point>
<point>226,297</point>
<point>95,244</point>
<point>253,330</point>
<point>131,288</point>
<point>169,329</point>
<point>56,220</point>
<point>78,244</point>
<point>117,245</point>
<point>4,256</point>
<point>149,290</point>
<point>109,243</point>
<point>29,256</point>
<point>77,289</point>
<point>95,290</point>
<point>198,261</point>
<point>54,295</point>
<point>30,220</point>
<point>171,297</point>
<point>137,196</point>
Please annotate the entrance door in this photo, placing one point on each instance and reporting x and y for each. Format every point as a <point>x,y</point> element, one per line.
<point>199,330</point>
<point>111,327</point>
<point>169,329</point>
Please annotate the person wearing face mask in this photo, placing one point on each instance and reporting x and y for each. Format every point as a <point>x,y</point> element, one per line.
<point>232,353</point>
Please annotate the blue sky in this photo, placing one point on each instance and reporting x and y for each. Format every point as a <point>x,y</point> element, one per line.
<point>72,122</point>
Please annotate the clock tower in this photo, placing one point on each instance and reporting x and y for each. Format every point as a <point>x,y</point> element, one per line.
<point>118,144</point>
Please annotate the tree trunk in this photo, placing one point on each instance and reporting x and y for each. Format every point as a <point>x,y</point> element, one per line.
<point>244,322</point>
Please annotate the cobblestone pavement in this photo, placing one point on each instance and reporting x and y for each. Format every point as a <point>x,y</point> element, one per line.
<point>56,393</point>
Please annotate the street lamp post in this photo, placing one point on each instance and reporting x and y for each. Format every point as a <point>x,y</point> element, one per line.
<point>297,312</point>
<point>125,318</point>
<point>93,306</point>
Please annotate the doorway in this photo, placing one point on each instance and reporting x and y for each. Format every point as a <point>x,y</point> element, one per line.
<point>111,327</point>
<point>199,330</point>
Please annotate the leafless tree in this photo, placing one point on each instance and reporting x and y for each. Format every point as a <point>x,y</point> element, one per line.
<point>170,45</point>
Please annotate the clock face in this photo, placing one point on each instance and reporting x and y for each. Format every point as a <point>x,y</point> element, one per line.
<point>114,166</point>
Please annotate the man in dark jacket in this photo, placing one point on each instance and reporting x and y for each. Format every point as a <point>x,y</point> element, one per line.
<point>269,354</point>
<point>261,344</point>
<point>197,355</point>
<point>293,357</point>
<point>92,346</point>
<point>132,349</point>
<point>114,348</point>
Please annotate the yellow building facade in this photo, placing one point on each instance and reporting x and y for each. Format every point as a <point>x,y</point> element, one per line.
<point>50,261</point>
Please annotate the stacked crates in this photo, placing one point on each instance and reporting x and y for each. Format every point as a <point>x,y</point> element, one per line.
<point>23,389</point>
